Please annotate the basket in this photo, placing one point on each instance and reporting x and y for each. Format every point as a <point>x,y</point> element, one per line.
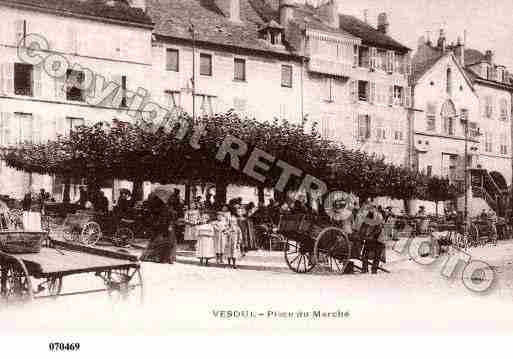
<point>21,242</point>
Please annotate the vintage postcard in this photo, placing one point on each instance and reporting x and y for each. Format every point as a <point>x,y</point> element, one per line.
<point>255,166</point>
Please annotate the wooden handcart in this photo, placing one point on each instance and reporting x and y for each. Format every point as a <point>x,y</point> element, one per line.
<point>24,277</point>
<point>309,244</point>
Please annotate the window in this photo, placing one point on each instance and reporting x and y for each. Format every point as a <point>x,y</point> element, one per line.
<point>398,95</point>
<point>503,144</point>
<point>25,126</point>
<point>206,64</point>
<point>488,142</point>
<point>504,110</point>
<point>449,126</point>
<point>398,136</point>
<point>355,56</point>
<point>205,105</point>
<point>123,91</point>
<point>488,107</point>
<point>328,90</point>
<point>363,90</point>
<point>74,80</point>
<point>431,117</point>
<point>172,60</point>
<point>173,99</point>
<point>364,130</point>
<point>23,79</point>
<point>363,57</point>
<point>72,123</point>
<point>239,69</point>
<point>381,132</point>
<point>286,76</point>
<point>449,82</point>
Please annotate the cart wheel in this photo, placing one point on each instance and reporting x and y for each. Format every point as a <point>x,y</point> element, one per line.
<point>91,233</point>
<point>332,250</point>
<point>15,284</point>
<point>124,285</point>
<point>54,286</point>
<point>298,256</point>
<point>123,237</point>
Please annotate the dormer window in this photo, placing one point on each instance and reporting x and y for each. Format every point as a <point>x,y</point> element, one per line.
<point>272,32</point>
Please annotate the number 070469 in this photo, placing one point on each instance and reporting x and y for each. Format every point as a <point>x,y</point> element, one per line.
<point>56,346</point>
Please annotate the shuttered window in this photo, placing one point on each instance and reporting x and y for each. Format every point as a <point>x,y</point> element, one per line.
<point>239,69</point>
<point>206,64</point>
<point>172,60</point>
<point>431,117</point>
<point>286,75</point>
<point>364,127</point>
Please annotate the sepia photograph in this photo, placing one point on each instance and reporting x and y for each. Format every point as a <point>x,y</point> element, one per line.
<point>255,166</point>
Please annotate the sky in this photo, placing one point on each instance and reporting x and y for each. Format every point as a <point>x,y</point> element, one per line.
<point>489,23</point>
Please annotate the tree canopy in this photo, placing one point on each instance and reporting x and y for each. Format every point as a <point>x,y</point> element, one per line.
<point>141,151</point>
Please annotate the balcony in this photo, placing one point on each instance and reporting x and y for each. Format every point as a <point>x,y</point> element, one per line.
<point>331,67</point>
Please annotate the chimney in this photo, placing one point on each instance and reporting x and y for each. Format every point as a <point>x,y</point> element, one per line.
<point>383,23</point>
<point>286,11</point>
<point>231,9</point>
<point>421,42</point>
<point>489,56</point>
<point>462,48</point>
<point>333,16</point>
<point>441,40</point>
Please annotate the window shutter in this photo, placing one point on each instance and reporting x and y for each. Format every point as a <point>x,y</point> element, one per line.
<point>392,62</point>
<point>355,126</point>
<point>6,124</point>
<point>72,40</point>
<point>372,88</point>
<point>367,126</point>
<point>355,55</point>
<point>60,88</point>
<point>36,129</point>
<point>353,93</point>
<point>390,95</point>
<point>9,78</point>
<point>372,57</point>
<point>37,81</point>
<point>3,85</point>
<point>18,31</point>
<point>407,97</point>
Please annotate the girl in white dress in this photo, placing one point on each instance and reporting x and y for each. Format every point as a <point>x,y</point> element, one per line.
<point>233,242</point>
<point>221,227</point>
<point>205,240</point>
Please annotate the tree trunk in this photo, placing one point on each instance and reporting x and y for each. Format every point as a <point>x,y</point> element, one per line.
<point>261,197</point>
<point>187,194</point>
<point>67,189</point>
<point>221,193</point>
<point>137,191</point>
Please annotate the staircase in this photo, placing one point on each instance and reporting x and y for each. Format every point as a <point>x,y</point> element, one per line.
<point>484,186</point>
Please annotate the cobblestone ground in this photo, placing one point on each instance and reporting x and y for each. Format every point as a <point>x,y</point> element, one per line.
<point>189,297</point>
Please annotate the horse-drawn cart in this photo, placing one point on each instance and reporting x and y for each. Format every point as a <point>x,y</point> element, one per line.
<point>310,245</point>
<point>19,273</point>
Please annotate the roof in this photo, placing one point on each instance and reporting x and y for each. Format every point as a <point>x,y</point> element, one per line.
<point>172,19</point>
<point>473,56</point>
<point>95,8</point>
<point>370,35</point>
<point>420,68</point>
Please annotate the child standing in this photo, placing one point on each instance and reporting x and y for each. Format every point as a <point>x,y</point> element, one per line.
<point>233,242</point>
<point>221,227</point>
<point>205,240</point>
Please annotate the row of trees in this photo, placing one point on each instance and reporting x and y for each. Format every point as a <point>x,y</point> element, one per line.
<point>142,151</point>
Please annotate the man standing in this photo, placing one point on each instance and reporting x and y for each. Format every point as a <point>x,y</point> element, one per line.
<point>373,247</point>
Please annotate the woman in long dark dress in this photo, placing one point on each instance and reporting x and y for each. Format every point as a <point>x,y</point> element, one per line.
<point>159,248</point>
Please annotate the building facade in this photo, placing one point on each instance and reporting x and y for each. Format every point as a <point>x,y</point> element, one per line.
<point>462,103</point>
<point>112,40</point>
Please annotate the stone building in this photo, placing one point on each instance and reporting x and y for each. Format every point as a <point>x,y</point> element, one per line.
<point>111,39</point>
<point>455,87</point>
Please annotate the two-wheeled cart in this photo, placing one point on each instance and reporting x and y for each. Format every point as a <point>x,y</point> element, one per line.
<point>309,244</point>
<point>28,276</point>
